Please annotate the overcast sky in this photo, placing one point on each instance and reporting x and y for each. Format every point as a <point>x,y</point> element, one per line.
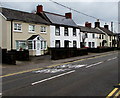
<point>107,10</point>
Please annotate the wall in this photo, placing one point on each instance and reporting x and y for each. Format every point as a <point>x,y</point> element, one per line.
<point>62,38</point>
<point>25,34</point>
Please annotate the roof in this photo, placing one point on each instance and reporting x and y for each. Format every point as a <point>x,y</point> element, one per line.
<point>34,36</point>
<point>57,19</point>
<point>11,14</point>
<point>89,30</point>
<point>106,31</point>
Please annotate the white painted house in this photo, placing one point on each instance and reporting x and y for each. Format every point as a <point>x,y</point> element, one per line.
<point>111,39</point>
<point>91,37</point>
<point>64,32</point>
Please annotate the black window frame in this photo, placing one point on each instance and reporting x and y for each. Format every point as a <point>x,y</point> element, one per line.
<point>93,35</point>
<point>57,33</point>
<point>66,32</point>
<point>56,43</point>
<point>74,44</point>
<point>74,32</point>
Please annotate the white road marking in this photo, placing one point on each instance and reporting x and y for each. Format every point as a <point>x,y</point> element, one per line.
<point>93,64</point>
<point>77,66</point>
<point>50,70</point>
<point>0,94</point>
<point>112,59</point>
<point>52,77</point>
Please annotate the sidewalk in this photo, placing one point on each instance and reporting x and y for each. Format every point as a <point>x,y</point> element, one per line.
<point>40,62</point>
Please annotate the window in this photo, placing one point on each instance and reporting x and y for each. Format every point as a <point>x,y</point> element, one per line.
<point>31,28</point>
<point>45,45</point>
<point>30,45</point>
<point>100,44</point>
<point>57,43</point>
<point>93,35</point>
<point>102,36</point>
<point>41,44</point>
<point>110,38</point>
<point>17,27</point>
<point>21,45</point>
<point>110,44</point>
<point>43,29</point>
<point>74,31</point>
<point>57,31</point>
<point>89,43</point>
<point>66,31</point>
<point>86,35</point>
<point>93,44</point>
<point>74,44</point>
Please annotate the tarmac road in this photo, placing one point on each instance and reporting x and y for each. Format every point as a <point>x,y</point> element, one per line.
<point>94,76</point>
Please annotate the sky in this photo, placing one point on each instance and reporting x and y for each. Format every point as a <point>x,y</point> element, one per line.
<point>105,10</point>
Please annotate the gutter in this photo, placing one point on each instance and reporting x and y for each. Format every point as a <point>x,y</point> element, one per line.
<point>11,34</point>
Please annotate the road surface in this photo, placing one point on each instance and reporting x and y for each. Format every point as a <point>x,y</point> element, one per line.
<point>95,76</point>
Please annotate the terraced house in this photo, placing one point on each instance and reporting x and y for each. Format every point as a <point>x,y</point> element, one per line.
<point>23,30</point>
<point>91,37</point>
<point>110,37</point>
<point>64,33</point>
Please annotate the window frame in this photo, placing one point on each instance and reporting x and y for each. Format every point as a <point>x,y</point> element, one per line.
<point>43,29</point>
<point>74,32</point>
<point>29,28</point>
<point>57,33</point>
<point>74,44</point>
<point>56,43</point>
<point>66,31</point>
<point>17,24</point>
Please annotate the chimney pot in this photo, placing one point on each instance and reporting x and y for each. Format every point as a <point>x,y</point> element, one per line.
<point>106,26</point>
<point>39,8</point>
<point>68,15</point>
<point>87,24</point>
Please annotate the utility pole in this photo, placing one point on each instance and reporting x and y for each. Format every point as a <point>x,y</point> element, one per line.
<point>112,26</point>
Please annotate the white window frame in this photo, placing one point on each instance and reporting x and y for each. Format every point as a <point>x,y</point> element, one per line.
<point>30,30</point>
<point>21,42</point>
<point>17,28</point>
<point>43,29</point>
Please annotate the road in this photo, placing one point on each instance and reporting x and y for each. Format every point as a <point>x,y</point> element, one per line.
<point>93,76</point>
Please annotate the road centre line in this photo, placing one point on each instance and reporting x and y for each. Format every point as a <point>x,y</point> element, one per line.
<point>21,72</point>
<point>111,59</point>
<point>94,64</point>
<point>52,77</point>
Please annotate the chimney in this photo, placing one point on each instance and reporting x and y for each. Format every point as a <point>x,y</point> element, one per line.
<point>97,24</point>
<point>87,24</point>
<point>39,8</point>
<point>68,15</point>
<point>106,26</point>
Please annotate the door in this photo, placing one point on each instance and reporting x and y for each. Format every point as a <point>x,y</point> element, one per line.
<point>38,49</point>
<point>66,44</point>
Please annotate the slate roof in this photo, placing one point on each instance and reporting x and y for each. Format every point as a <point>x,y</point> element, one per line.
<point>106,31</point>
<point>11,14</point>
<point>57,19</point>
<point>34,36</point>
<point>89,30</point>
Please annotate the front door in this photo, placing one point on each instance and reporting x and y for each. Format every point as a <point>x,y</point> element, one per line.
<point>38,48</point>
<point>66,44</point>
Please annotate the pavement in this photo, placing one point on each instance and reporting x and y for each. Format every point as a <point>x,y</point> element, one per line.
<point>41,62</point>
<point>92,75</point>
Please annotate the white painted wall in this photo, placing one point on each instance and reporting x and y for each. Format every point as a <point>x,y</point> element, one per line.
<point>62,38</point>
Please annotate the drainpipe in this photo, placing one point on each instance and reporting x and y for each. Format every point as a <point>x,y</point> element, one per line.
<point>11,34</point>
